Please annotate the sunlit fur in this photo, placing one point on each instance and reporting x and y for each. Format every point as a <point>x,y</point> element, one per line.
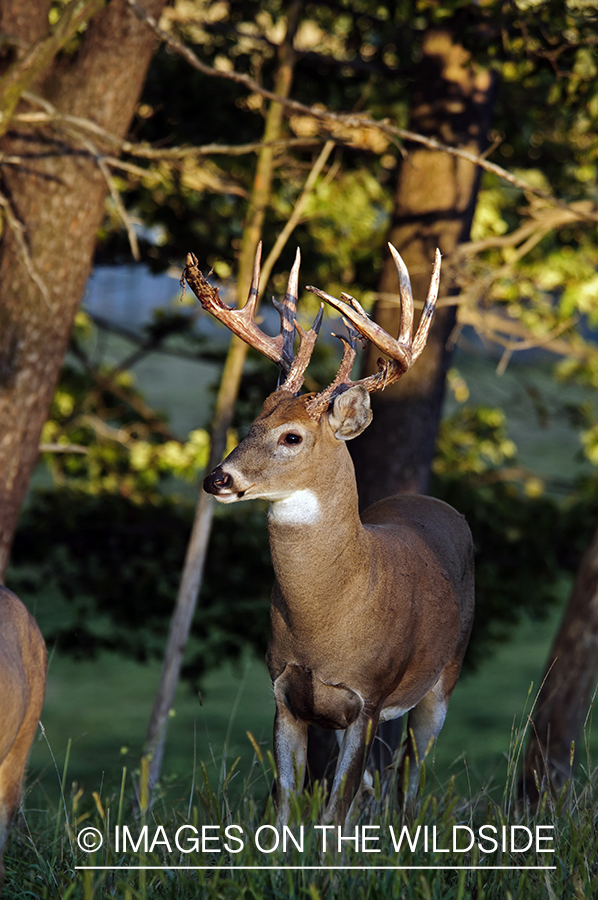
<point>370,616</point>
<point>22,687</point>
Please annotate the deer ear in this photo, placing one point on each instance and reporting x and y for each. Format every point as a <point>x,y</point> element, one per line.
<point>350,413</point>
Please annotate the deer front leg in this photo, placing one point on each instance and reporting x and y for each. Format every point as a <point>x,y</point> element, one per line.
<point>290,754</point>
<point>353,755</point>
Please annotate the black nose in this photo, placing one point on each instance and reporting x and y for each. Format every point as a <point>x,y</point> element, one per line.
<point>217,481</point>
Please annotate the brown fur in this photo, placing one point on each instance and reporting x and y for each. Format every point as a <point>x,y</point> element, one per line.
<point>22,688</point>
<point>370,617</point>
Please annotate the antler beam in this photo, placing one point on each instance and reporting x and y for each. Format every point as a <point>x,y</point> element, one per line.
<point>403,351</point>
<point>242,322</point>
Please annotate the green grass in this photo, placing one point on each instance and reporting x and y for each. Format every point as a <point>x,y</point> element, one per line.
<point>102,708</point>
<point>42,859</point>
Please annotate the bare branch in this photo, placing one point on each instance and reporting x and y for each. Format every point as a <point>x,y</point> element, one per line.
<point>540,219</point>
<point>18,229</point>
<point>64,448</point>
<point>114,193</point>
<point>295,217</point>
<point>51,116</point>
<point>351,120</point>
<point>106,383</point>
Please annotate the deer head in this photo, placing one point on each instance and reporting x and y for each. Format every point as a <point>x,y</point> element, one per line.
<point>290,426</point>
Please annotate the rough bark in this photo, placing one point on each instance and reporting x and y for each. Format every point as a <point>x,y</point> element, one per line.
<point>58,197</point>
<point>435,201</point>
<point>567,688</point>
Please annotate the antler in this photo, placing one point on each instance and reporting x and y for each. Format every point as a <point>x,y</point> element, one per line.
<point>242,322</point>
<point>403,351</point>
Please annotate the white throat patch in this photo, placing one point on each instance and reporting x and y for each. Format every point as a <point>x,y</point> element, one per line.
<point>299,508</point>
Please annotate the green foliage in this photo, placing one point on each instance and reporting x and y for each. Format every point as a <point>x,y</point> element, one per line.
<point>117,453</point>
<point>473,440</point>
<point>113,442</point>
<point>102,573</point>
<point>348,217</point>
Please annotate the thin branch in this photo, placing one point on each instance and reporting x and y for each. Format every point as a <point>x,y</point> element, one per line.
<point>18,230</point>
<point>63,448</point>
<point>348,120</point>
<point>144,345</point>
<point>540,218</point>
<point>145,151</point>
<point>105,383</point>
<point>114,193</point>
<point>295,217</point>
<point>514,335</point>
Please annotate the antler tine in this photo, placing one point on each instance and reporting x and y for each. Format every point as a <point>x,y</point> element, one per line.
<point>240,321</point>
<point>318,404</point>
<point>287,309</point>
<point>405,295</point>
<point>296,374</point>
<point>421,336</point>
<point>367,327</point>
<point>402,351</point>
<point>249,309</point>
<point>293,370</point>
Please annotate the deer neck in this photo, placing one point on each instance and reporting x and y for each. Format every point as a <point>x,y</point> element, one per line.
<point>316,534</point>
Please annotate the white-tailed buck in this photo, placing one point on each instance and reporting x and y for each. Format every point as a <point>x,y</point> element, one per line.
<point>22,687</point>
<point>370,615</point>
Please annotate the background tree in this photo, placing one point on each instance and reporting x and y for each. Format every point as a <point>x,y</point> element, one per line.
<point>53,191</point>
<point>567,688</point>
<point>434,206</point>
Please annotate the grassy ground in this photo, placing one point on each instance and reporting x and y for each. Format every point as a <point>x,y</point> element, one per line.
<point>204,860</point>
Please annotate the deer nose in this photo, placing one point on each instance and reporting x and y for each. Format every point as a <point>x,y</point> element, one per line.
<point>217,481</point>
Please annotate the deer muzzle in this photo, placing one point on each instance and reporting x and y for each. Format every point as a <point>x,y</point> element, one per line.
<point>218,481</point>
<point>222,485</point>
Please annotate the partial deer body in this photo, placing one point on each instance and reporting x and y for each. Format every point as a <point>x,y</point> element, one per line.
<point>370,616</point>
<point>22,687</point>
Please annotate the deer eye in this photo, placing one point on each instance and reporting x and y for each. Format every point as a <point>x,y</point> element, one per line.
<point>291,437</point>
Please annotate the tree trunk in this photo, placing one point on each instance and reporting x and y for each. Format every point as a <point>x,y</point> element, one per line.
<point>435,201</point>
<point>567,687</point>
<point>57,195</point>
